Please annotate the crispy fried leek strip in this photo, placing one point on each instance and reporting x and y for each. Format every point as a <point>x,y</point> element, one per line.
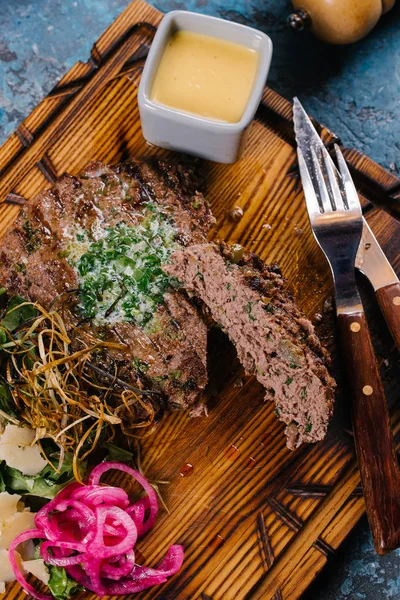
<point>56,394</point>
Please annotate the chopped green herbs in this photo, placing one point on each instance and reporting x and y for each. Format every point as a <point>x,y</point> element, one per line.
<point>200,275</point>
<point>293,366</point>
<point>308,427</point>
<point>175,374</point>
<point>289,380</point>
<point>249,308</point>
<point>196,204</point>
<point>120,275</point>
<point>304,393</point>
<point>32,237</point>
<point>141,365</point>
<point>20,267</point>
<point>268,308</point>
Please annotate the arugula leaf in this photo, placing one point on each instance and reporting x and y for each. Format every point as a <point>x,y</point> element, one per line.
<point>6,401</point>
<point>45,484</point>
<point>116,453</point>
<point>60,583</point>
<point>12,320</point>
<point>3,487</point>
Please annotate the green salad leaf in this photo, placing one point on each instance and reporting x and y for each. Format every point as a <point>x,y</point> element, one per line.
<point>6,401</point>
<point>46,484</point>
<point>117,454</point>
<point>14,318</point>
<point>60,583</point>
<point>3,487</point>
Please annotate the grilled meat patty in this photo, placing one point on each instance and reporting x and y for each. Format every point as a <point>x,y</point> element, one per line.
<point>95,244</point>
<point>272,337</point>
<point>115,245</point>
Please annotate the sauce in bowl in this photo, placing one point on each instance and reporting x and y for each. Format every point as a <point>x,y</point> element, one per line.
<point>206,76</point>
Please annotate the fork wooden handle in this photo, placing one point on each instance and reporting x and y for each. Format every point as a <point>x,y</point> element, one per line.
<point>389,301</point>
<point>380,473</point>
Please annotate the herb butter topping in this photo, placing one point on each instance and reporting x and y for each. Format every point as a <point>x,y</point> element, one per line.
<point>119,274</point>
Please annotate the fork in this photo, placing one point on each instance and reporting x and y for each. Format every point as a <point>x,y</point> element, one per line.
<point>336,220</point>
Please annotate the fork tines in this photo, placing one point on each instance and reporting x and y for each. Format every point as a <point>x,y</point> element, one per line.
<point>333,190</point>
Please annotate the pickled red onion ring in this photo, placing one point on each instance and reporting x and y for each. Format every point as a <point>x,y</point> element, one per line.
<point>125,567</point>
<point>92,530</point>
<point>98,547</point>
<point>100,494</point>
<point>99,471</point>
<point>31,534</point>
<point>65,561</point>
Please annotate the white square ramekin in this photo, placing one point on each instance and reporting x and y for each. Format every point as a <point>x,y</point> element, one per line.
<point>176,130</point>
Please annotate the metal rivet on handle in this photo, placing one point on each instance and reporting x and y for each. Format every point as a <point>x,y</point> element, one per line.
<point>355,327</point>
<point>396,300</point>
<point>367,390</point>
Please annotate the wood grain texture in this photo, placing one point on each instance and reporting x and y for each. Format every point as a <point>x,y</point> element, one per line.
<point>380,473</point>
<point>389,301</point>
<point>256,520</point>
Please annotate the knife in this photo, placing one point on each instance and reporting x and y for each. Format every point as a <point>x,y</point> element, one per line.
<point>336,220</point>
<point>372,262</point>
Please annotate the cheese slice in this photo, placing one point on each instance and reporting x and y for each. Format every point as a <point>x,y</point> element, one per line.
<point>37,568</point>
<point>17,451</point>
<point>15,519</point>
<point>13,526</point>
<point>8,505</point>
<point>6,572</point>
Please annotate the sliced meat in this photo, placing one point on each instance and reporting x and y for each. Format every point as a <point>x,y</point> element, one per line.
<point>110,246</point>
<point>41,260</point>
<point>272,337</point>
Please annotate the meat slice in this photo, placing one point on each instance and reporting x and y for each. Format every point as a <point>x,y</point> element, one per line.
<point>272,337</point>
<point>110,246</point>
<point>73,246</point>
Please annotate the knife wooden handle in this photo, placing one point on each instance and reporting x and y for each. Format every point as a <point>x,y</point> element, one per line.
<point>380,473</point>
<point>389,301</point>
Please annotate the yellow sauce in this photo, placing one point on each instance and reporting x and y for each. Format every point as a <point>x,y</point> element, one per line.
<point>205,76</point>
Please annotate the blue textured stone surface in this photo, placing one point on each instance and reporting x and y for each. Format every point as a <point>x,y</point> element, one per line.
<point>358,573</point>
<point>352,90</point>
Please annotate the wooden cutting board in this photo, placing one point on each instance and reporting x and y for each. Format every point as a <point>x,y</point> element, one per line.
<point>256,520</point>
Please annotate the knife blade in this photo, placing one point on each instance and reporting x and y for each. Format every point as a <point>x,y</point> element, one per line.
<point>372,261</point>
